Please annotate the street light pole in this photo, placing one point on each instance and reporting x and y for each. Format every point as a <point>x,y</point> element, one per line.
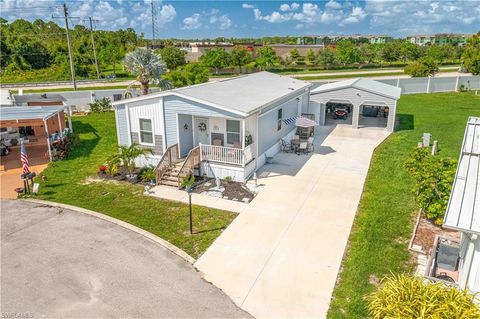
<point>190,209</point>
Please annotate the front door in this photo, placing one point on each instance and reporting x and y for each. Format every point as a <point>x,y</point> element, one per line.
<point>201,131</point>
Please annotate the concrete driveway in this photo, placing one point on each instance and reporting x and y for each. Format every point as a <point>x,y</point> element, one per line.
<point>280,257</point>
<point>59,263</point>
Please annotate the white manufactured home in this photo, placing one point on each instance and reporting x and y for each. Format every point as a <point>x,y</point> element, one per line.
<point>463,211</point>
<point>223,128</point>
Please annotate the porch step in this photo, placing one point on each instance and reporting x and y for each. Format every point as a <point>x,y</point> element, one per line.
<point>168,183</point>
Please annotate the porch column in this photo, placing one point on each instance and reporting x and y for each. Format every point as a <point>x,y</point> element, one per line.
<point>48,140</point>
<point>355,115</point>
<point>242,136</point>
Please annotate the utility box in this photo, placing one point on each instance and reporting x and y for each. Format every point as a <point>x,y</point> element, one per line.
<point>426,139</point>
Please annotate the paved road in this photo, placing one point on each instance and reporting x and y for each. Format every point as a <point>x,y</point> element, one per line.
<point>280,257</point>
<point>61,263</point>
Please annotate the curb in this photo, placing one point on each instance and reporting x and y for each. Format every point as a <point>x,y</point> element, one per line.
<point>174,249</point>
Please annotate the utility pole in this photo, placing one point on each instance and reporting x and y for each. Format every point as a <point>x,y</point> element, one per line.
<point>94,49</point>
<point>70,54</point>
<point>154,17</point>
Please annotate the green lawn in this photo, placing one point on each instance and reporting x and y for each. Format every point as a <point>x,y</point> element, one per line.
<point>383,226</point>
<point>67,183</point>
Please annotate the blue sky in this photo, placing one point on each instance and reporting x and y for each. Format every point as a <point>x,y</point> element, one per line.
<point>199,19</point>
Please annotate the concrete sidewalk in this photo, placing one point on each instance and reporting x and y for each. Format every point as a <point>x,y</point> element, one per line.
<point>280,258</point>
<point>172,193</point>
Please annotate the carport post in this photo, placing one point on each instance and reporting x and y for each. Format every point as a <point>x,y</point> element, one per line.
<point>60,124</point>
<point>70,118</point>
<point>356,115</point>
<point>48,139</point>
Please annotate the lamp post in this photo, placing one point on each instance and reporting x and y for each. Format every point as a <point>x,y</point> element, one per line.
<point>189,192</point>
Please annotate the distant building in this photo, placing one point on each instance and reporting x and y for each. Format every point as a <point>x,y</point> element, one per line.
<point>320,39</point>
<point>197,49</point>
<point>440,39</point>
<point>283,50</point>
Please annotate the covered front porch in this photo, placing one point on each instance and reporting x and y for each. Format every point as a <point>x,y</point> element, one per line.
<point>221,141</point>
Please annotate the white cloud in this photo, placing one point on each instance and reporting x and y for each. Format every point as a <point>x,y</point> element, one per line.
<point>224,22</point>
<point>192,22</point>
<point>277,17</point>
<point>357,15</point>
<point>257,13</point>
<point>167,14</point>
<point>289,7</point>
<point>247,6</point>
<point>332,4</point>
<point>406,17</point>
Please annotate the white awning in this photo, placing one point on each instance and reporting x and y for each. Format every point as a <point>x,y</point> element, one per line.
<point>463,211</point>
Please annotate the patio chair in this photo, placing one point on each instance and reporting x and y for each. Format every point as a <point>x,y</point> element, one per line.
<point>285,146</point>
<point>310,146</point>
<point>303,148</point>
<point>237,144</point>
<point>217,142</point>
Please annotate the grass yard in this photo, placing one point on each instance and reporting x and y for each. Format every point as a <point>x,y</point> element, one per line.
<point>67,183</point>
<point>383,226</point>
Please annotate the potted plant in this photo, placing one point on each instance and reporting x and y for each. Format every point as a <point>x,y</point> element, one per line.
<point>102,169</point>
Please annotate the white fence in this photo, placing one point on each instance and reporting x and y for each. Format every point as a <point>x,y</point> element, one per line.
<point>429,84</point>
<point>227,155</point>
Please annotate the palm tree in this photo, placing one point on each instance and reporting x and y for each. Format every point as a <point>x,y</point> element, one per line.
<point>148,67</point>
<point>126,156</point>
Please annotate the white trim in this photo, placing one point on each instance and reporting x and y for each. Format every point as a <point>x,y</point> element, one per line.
<point>178,137</point>
<point>140,131</point>
<point>116,126</point>
<point>162,94</point>
<point>127,113</point>
<point>164,138</point>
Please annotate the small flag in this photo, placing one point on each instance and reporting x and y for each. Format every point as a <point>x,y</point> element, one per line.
<point>24,158</point>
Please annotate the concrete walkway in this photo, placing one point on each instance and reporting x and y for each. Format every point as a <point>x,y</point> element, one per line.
<point>281,256</point>
<point>60,263</point>
<point>172,193</point>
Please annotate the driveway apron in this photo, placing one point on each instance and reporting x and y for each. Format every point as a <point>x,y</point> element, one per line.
<point>281,256</point>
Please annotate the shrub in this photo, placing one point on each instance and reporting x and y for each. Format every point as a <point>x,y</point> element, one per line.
<point>188,181</point>
<point>126,156</point>
<point>409,297</point>
<point>228,179</point>
<point>433,178</point>
<point>103,105</point>
<point>147,174</point>
<point>425,66</point>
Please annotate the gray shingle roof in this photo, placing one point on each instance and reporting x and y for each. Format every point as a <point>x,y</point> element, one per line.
<point>243,94</point>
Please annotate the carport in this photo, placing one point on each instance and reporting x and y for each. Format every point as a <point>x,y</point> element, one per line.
<point>372,103</point>
<point>34,125</point>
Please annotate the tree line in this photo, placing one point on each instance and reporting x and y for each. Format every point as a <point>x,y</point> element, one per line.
<point>38,45</point>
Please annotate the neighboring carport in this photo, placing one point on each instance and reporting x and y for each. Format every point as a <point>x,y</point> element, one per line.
<point>33,125</point>
<point>373,103</point>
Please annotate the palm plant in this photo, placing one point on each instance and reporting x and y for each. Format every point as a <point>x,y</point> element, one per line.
<point>126,156</point>
<point>148,67</point>
<point>410,297</point>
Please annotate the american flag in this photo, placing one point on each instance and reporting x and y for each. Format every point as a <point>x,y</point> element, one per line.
<point>24,158</point>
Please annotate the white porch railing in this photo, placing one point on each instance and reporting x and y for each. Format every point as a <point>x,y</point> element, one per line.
<point>227,155</point>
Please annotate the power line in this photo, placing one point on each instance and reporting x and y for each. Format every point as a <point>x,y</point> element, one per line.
<point>70,53</point>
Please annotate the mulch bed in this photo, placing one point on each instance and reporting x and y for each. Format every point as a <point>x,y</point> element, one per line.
<point>233,190</point>
<point>122,176</point>
<point>426,232</point>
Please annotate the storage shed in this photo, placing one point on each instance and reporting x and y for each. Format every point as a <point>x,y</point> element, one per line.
<point>359,102</point>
